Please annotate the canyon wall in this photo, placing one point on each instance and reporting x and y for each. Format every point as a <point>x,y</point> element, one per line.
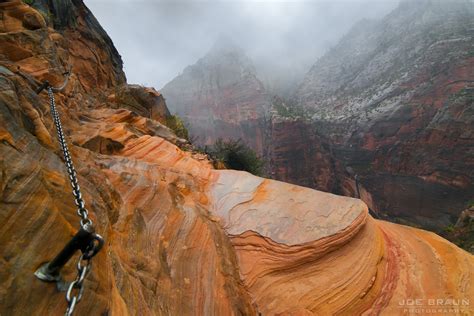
<point>180,237</point>
<point>391,103</point>
<point>221,97</point>
<point>395,100</point>
<point>297,154</point>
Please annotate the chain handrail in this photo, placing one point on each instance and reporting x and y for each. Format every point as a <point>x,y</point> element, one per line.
<point>76,189</point>
<point>86,239</point>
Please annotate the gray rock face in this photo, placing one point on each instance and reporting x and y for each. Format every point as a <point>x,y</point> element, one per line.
<point>373,69</point>
<point>395,100</point>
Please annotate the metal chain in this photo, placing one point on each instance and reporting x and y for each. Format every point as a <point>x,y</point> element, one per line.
<point>75,286</point>
<point>76,189</point>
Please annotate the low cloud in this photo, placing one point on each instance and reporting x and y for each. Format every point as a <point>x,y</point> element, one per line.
<point>158,39</point>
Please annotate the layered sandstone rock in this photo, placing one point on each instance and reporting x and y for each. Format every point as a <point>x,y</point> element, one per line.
<point>304,252</point>
<point>182,238</point>
<point>142,191</point>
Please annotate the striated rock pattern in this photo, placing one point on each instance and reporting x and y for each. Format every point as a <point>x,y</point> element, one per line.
<point>304,252</point>
<point>163,256</point>
<point>221,97</point>
<point>146,102</point>
<point>395,100</point>
<point>181,238</point>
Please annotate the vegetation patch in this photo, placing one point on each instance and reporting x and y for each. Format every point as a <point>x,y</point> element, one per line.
<point>288,108</point>
<point>462,233</point>
<point>463,237</point>
<point>234,154</point>
<point>470,203</point>
<point>175,123</point>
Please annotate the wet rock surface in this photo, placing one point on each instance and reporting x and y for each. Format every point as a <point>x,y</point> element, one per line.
<point>181,237</point>
<point>395,100</point>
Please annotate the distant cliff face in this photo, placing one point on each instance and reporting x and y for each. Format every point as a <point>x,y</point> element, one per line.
<point>392,103</point>
<point>220,97</point>
<point>395,100</point>
<point>297,154</point>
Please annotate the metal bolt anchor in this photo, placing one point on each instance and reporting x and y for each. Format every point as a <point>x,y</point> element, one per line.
<point>85,240</point>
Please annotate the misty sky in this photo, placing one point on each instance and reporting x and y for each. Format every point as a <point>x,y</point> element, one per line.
<point>158,39</point>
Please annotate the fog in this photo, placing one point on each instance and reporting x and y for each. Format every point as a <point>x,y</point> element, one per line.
<point>158,39</point>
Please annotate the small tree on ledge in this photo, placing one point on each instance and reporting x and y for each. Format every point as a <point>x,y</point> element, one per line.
<point>234,154</point>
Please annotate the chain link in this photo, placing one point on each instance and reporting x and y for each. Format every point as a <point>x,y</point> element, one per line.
<point>76,287</point>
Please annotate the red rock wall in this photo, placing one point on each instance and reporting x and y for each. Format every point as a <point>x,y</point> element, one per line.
<point>297,154</point>
<point>221,97</point>
<point>394,99</point>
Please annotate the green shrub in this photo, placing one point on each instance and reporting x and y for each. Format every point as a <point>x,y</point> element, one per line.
<point>29,2</point>
<point>234,154</point>
<point>286,108</point>
<point>449,228</point>
<point>177,125</point>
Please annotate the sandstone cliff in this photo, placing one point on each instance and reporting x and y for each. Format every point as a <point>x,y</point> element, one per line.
<point>221,97</point>
<point>395,100</point>
<point>181,238</point>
